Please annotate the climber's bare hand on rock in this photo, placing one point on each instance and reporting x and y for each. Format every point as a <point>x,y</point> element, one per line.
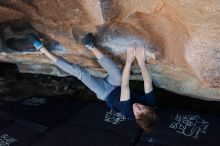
<point>130,54</point>
<point>140,56</point>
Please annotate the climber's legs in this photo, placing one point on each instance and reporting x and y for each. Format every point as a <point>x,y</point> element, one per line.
<point>98,85</point>
<point>101,86</point>
<point>114,72</point>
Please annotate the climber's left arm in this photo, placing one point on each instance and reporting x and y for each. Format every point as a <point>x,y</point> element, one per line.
<point>125,90</point>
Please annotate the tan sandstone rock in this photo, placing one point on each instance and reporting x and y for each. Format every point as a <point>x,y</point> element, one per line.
<point>181,36</point>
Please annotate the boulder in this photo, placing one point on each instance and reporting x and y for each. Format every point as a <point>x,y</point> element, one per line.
<point>181,38</point>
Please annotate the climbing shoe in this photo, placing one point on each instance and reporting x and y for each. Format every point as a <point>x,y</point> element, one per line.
<point>35,41</point>
<point>89,41</point>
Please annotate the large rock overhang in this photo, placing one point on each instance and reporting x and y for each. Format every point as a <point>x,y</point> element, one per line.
<point>181,37</point>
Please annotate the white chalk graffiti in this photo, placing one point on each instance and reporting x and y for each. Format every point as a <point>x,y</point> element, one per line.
<point>34,101</point>
<point>189,125</point>
<point>6,140</point>
<point>114,117</point>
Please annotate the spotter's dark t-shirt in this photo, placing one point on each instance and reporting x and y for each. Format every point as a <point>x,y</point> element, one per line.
<point>125,107</point>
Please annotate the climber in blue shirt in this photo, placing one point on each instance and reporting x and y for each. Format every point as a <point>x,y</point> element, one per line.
<point>114,88</point>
